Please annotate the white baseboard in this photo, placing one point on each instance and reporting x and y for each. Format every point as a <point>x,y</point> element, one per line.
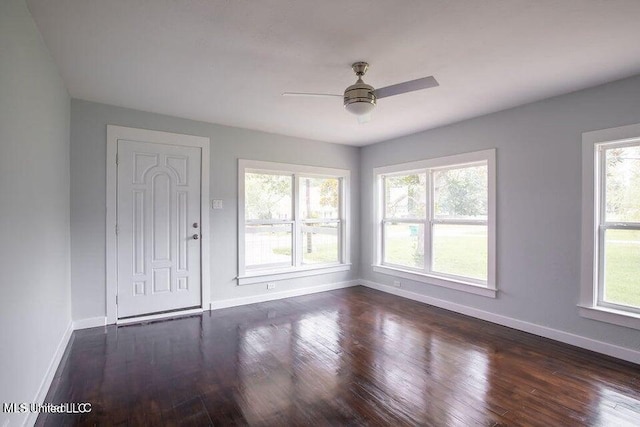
<point>91,322</point>
<point>226,303</point>
<point>49,375</point>
<point>234,302</point>
<point>532,328</point>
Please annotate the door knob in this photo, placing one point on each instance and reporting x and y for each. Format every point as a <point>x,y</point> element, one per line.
<point>195,225</point>
<point>196,237</point>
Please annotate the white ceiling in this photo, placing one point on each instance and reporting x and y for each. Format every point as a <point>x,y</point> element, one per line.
<point>228,61</point>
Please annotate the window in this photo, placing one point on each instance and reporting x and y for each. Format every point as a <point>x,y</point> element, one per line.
<point>292,221</point>
<point>436,221</point>
<point>611,226</point>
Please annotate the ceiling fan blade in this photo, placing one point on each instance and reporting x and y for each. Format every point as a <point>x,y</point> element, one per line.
<point>365,118</point>
<point>316,95</point>
<point>410,86</point>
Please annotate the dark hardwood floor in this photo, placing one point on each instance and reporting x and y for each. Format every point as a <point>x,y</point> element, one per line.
<point>349,357</point>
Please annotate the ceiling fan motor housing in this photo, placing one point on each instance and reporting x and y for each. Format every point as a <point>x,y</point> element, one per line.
<point>359,98</point>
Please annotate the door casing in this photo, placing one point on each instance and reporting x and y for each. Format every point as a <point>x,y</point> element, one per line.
<point>115,133</point>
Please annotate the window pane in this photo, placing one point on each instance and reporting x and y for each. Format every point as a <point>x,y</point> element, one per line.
<point>268,246</point>
<point>319,243</point>
<point>460,250</point>
<point>268,196</point>
<point>622,267</point>
<point>461,193</point>
<point>622,184</point>
<point>404,244</point>
<point>405,196</point>
<point>319,197</point>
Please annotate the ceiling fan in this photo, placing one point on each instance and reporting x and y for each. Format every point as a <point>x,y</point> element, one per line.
<point>360,98</point>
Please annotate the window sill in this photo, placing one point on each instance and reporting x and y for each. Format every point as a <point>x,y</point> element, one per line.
<point>609,315</point>
<point>266,276</point>
<point>437,281</point>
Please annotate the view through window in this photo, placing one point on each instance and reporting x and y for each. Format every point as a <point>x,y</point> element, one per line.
<point>619,228</point>
<point>293,217</point>
<point>435,219</point>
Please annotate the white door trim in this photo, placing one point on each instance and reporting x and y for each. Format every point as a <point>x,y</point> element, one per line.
<point>114,133</point>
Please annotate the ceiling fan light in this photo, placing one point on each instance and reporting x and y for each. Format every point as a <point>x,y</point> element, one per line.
<point>360,108</point>
<point>359,98</point>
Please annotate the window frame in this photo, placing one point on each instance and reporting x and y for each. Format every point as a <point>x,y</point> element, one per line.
<point>250,275</point>
<point>409,220</point>
<point>591,304</point>
<point>425,274</point>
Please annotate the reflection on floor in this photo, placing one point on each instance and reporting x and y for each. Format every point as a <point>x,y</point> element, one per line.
<point>354,356</point>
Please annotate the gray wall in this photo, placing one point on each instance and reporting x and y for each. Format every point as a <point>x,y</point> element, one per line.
<point>538,202</point>
<point>34,213</point>
<point>88,191</point>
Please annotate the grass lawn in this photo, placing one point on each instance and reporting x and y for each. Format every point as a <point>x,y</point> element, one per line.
<point>324,249</point>
<point>622,267</point>
<point>460,250</point>
<point>321,253</point>
<point>402,245</point>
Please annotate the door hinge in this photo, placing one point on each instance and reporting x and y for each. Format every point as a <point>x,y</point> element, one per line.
<point>116,299</point>
<point>116,158</point>
<point>117,229</point>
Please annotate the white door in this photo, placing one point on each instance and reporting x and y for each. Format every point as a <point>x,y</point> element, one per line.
<point>158,227</point>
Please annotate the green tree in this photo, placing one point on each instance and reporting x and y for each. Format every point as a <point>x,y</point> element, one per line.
<point>267,196</point>
<point>329,192</point>
<point>461,192</point>
<point>622,180</point>
<point>615,188</point>
<point>405,195</point>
